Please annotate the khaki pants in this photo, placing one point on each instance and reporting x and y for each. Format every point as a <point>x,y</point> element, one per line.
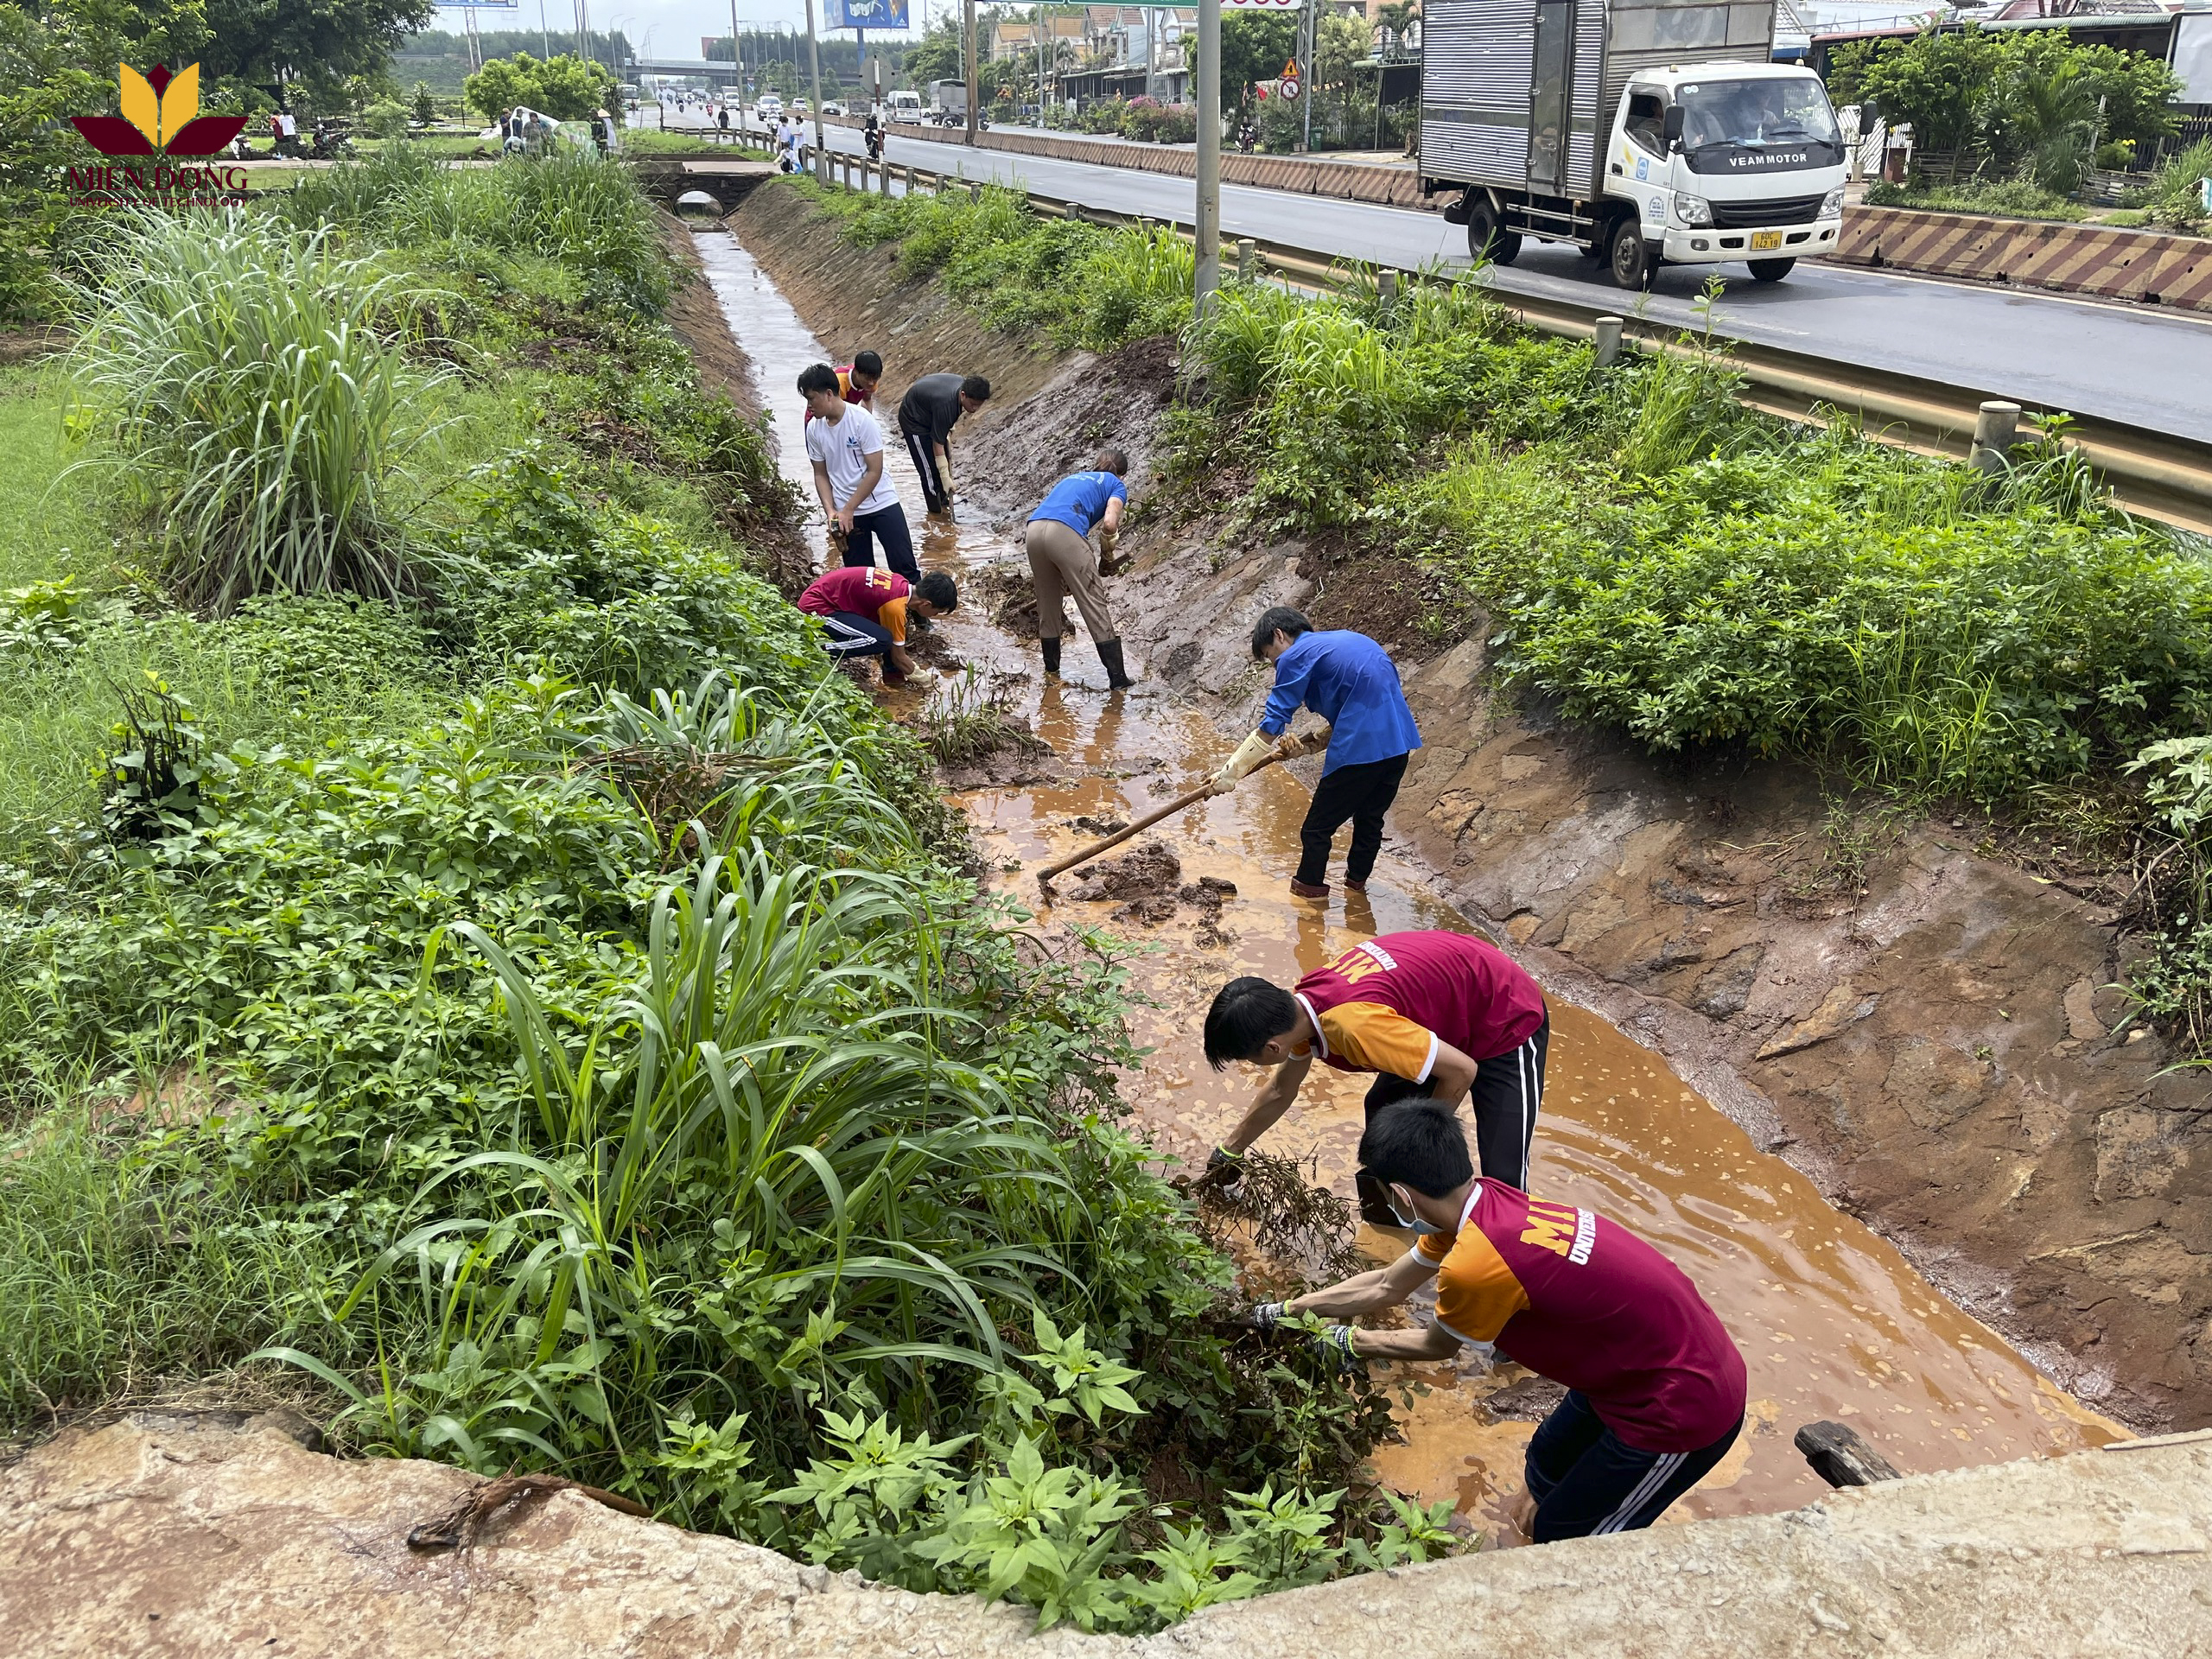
<point>1063,563</point>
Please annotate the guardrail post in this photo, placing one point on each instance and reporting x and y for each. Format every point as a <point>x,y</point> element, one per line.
<point>1996,430</point>
<point>1609,341</point>
<point>1246,258</point>
<point>1386,287</point>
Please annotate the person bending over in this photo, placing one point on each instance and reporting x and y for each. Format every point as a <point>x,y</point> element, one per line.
<point>1435,1013</point>
<point>1655,1388</point>
<point>1061,559</point>
<point>857,381</point>
<point>846,447</point>
<point>927,414</point>
<point>1350,682</point>
<point>865,610</point>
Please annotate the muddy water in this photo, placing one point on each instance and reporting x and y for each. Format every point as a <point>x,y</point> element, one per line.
<point>1832,1321</point>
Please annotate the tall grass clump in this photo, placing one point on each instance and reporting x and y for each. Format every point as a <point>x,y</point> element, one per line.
<point>240,396</point>
<point>580,209</point>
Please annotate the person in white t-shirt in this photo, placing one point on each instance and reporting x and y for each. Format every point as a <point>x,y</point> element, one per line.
<point>846,445</point>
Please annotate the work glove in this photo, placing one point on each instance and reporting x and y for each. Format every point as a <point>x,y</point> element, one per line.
<point>1249,754</point>
<point>1263,1316</point>
<point>1223,1169</point>
<point>1335,1343</point>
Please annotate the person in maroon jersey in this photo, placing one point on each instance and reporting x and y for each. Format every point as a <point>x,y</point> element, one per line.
<point>865,611</point>
<point>1443,1015</point>
<point>1655,1388</point>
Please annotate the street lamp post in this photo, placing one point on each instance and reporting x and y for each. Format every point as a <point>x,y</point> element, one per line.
<point>814,68</point>
<point>1206,277</point>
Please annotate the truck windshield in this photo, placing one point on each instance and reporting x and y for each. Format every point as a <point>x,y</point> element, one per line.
<point>1765,123</point>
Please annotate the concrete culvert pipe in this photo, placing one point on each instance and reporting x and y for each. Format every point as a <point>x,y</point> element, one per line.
<point>698,201</point>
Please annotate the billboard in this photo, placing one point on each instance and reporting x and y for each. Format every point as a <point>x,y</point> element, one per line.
<point>864,14</point>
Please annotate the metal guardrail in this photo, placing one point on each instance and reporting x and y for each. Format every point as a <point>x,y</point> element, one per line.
<point>2152,473</point>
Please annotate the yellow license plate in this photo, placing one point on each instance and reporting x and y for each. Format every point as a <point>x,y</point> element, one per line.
<point>1764,240</point>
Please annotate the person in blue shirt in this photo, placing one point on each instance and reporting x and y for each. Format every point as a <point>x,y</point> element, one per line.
<point>1061,560</point>
<point>1350,682</point>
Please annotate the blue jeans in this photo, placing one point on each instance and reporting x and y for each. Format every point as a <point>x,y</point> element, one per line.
<point>1585,1481</point>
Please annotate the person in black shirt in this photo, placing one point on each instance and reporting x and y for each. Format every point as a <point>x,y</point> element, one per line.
<point>926,415</point>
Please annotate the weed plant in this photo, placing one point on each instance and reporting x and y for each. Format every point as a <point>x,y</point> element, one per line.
<point>244,401</point>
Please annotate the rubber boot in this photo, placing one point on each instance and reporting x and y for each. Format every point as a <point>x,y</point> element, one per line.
<point>1052,648</point>
<point>1109,652</point>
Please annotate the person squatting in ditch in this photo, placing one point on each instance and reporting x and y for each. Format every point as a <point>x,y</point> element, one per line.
<point>1061,561</point>
<point>864,613</point>
<point>845,445</point>
<point>1432,1014</point>
<point>1655,1388</point>
<point>1350,682</point>
<point>927,414</point>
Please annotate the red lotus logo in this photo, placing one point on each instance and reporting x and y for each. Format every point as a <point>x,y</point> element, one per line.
<point>161,116</point>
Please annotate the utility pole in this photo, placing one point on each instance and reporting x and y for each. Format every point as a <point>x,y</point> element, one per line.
<point>1037,14</point>
<point>544,34</point>
<point>975,75</point>
<point>737,56</point>
<point>1206,277</point>
<point>813,68</point>
<point>1306,91</point>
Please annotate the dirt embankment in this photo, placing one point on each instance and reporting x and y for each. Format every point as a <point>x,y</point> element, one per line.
<point>1925,1031</point>
<point>182,1536</point>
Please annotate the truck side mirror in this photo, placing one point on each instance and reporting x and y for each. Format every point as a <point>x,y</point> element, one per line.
<point>1670,127</point>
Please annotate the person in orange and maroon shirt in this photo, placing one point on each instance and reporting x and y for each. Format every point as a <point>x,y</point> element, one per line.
<point>864,611</point>
<point>1655,1388</point>
<point>857,381</point>
<point>1435,1013</point>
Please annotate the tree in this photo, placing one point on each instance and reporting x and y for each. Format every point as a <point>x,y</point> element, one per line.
<point>1254,48</point>
<point>1935,80</point>
<point>565,88</point>
<point>324,44</point>
<point>426,107</point>
<point>936,56</point>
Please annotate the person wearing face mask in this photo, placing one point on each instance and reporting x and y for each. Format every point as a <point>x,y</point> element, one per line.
<point>1656,1387</point>
<point>1432,1014</point>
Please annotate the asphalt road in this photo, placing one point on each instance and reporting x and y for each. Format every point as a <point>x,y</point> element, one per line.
<point>2046,352</point>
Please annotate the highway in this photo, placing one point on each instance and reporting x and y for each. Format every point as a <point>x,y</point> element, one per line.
<point>2047,352</point>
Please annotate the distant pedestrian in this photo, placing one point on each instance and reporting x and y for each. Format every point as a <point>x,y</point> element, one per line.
<point>288,133</point>
<point>845,445</point>
<point>865,613</point>
<point>1350,682</point>
<point>927,414</point>
<point>1061,560</point>
<point>723,118</point>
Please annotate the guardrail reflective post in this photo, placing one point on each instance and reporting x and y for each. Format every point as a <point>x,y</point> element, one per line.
<point>1996,430</point>
<point>1207,275</point>
<point>1246,255</point>
<point>1609,341</point>
<point>906,177</point>
<point>1386,287</point>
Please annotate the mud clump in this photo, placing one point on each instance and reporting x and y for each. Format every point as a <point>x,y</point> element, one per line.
<point>1148,883</point>
<point>1098,825</point>
<point>1010,593</point>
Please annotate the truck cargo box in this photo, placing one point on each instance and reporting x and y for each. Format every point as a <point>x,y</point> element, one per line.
<point>1517,93</point>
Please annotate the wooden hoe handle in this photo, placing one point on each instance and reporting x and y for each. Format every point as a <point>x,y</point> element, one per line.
<point>1181,803</point>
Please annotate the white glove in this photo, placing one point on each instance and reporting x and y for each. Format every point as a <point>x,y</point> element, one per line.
<point>1249,753</point>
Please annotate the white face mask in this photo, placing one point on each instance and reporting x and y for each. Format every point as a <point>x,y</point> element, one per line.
<point>1413,1222</point>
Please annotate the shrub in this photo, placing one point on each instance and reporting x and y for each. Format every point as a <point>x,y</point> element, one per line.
<point>245,401</point>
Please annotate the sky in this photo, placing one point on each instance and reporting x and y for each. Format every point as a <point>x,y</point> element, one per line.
<point>675,26</point>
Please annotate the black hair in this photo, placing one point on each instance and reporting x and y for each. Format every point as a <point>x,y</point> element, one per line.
<point>1417,1143</point>
<point>817,377</point>
<point>938,589</point>
<point>1277,618</point>
<point>1245,1013</point>
<point>1113,460</point>
<point>976,387</point>
<point>869,364</point>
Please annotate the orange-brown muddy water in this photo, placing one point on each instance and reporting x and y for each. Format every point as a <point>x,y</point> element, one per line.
<point>1832,1320</point>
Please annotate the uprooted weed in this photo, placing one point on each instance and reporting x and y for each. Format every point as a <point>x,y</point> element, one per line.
<point>1291,1220</point>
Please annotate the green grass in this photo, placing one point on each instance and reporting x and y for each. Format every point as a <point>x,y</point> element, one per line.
<point>51,531</point>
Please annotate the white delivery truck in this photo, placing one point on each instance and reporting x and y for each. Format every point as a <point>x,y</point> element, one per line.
<point>1643,132</point>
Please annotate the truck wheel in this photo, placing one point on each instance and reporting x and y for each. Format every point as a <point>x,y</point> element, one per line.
<point>1633,261</point>
<point>1487,239</point>
<point>1772,270</point>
